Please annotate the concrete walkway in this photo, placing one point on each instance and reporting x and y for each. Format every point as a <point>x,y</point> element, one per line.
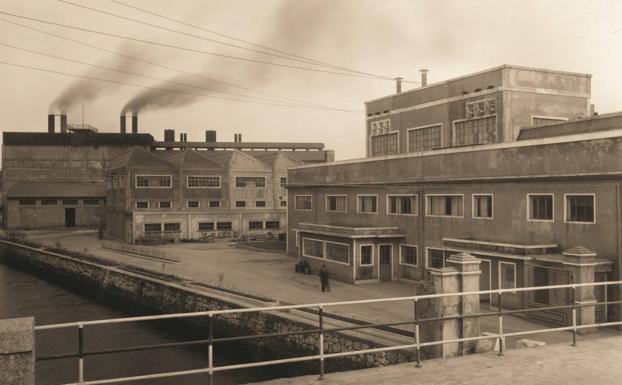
<point>591,362</point>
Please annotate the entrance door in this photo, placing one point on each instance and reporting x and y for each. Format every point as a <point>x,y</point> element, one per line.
<point>386,273</point>
<point>70,217</point>
<point>484,280</point>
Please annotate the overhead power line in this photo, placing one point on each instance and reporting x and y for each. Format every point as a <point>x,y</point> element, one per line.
<point>164,90</point>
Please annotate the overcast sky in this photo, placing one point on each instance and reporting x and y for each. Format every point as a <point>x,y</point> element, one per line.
<point>381,37</point>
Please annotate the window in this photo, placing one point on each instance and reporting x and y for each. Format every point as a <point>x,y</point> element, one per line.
<point>424,138</point>
<point>336,203</point>
<point>312,248</point>
<point>367,255</point>
<point>165,204</point>
<point>249,181</point>
<point>475,131</point>
<point>402,204</point>
<point>283,203</point>
<point>338,252</point>
<point>206,226</point>
<point>255,225</point>
<point>240,203</point>
<point>408,255</point>
<point>482,206</point>
<point>283,182</point>
<point>367,204</point>
<point>153,227</point>
<point>90,202</point>
<point>273,225</point>
<point>203,181</point>
<point>303,202</point>
<point>115,182</point>
<point>70,202</point>
<point>445,205</point>
<point>172,227</point>
<point>214,204</point>
<point>193,204</point>
<point>580,208</point>
<point>480,108</point>
<point>153,181</point>
<point>436,258</point>
<point>541,278</point>
<point>540,207</point>
<point>260,203</point>
<point>507,275</point>
<point>380,127</point>
<point>223,226</point>
<point>49,202</point>
<point>386,144</point>
<point>142,204</point>
<point>27,202</point>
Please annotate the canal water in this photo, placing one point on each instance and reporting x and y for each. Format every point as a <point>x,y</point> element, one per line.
<point>24,294</point>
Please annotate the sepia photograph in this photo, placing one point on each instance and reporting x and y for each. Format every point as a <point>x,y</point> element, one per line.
<point>302,192</point>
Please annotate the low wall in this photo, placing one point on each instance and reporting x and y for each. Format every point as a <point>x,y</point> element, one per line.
<point>160,296</point>
<point>17,351</point>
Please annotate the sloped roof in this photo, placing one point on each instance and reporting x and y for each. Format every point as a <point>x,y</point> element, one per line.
<point>139,157</point>
<point>274,158</point>
<point>56,190</point>
<point>192,159</point>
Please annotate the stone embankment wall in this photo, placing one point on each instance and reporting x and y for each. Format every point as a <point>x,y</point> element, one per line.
<point>155,295</point>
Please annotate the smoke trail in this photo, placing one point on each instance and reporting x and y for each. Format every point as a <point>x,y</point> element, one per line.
<point>149,99</point>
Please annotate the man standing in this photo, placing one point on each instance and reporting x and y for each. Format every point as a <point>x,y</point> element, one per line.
<point>324,278</point>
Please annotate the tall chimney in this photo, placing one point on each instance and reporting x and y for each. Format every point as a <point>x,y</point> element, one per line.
<point>63,123</point>
<point>424,77</point>
<point>237,138</point>
<point>123,124</point>
<point>169,135</point>
<point>134,124</point>
<point>51,123</point>
<point>210,136</point>
<point>398,85</point>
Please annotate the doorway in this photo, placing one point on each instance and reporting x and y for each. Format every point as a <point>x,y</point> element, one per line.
<point>386,267</point>
<point>70,217</point>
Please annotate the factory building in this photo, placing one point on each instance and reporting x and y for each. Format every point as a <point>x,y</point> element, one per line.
<point>510,165</point>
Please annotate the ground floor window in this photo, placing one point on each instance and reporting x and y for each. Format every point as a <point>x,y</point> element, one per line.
<point>27,202</point>
<point>214,204</point>
<point>142,205</point>
<point>507,275</point>
<point>367,255</point>
<point>165,204</point>
<point>223,226</point>
<point>273,225</point>
<point>283,203</point>
<point>153,227</point>
<point>408,255</point>
<point>312,248</point>
<point>338,252</point>
<point>70,202</point>
<point>206,226</point>
<point>193,204</point>
<point>49,202</point>
<point>255,225</point>
<point>436,258</point>
<point>173,227</point>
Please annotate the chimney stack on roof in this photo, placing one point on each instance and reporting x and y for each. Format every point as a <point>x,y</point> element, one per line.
<point>169,135</point>
<point>398,85</point>
<point>63,123</point>
<point>123,126</point>
<point>237,138</point>
<point>134,124</point>
<point>424,77</point>
<point>51,123</point>
<point>210,136</point>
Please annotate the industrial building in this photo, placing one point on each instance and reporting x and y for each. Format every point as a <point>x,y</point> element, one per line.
<point>510,165</point>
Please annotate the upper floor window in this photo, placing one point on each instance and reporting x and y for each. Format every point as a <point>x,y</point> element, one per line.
<point>380,127</point>
<point>480,108</point>
<point>540,207</point>
<point>424,138</point>
<point>580,208</point>
<point>482,206</point>
<point>240,203</point>
<point>214,204</point>
<point>445,205</point>
<point>303,202</point>
<point>336,203</point>
<point>153,181</point>
<point>70,202</point>
<point>260,203</point>
<point>202,181</point>
<point>386,144</point>
<point>142,204</point>
<point>27,202</point>
<point>90,202</point>
<point>283,182</point>
<point>165,204</point>
<point>249,181</point>
<point>193,204</point>
<point>255,225</point>
<point>367,204</point>
<point>401,204</point>
<point>273,225</point>
<point>475,131</point>
<point>49,202</point>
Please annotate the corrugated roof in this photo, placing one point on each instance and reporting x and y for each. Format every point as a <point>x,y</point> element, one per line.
<point>56,190</point>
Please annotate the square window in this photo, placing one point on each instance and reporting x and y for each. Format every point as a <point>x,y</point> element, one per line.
<point>408,255</point>
<point>482,206</point>
<point>303,202</point>
<point>283,203</point>
<point>336,203</point>
<point>367,255</point>
<point>580,208</point>
<point>312,248</point>
<point>367,204</point>
<point>540,207</point>
<point>436,258</point>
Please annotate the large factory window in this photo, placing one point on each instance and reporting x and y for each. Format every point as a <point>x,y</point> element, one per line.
<point>203,181</point>
<point>338,252</point>
<point>424,138</point>
<point>445,206</point>
<point>402,204</point>
<point>386,144</point>
<point>153,181</point>
<point>475,131</point>
<point>248,181</point>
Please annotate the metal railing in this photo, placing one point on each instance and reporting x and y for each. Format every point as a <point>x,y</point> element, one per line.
<point>321,330</point>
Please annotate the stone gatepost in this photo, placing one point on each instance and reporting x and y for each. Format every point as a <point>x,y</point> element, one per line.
<point>580,262</point>
<point>17,351</point>
<point>460,275</point>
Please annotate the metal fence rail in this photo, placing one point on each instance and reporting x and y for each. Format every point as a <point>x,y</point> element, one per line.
<point>321,330</point>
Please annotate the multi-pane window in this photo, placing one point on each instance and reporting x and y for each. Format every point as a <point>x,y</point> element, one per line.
<point>165,204</point>
<point>27,202</point>
<point>240,203</point>
<point>482,206</point>
<point>90,202</point>
<point>312,248</point>
<point>338,252</point>
<point>223,226</point>
<point>153,181</point>
<point>303,202</point>
<point>260,203</point>
<point>386,144</point>
<point>424,138</point>
<point>480,108</point>
<point>193,204</point>
<point>541,278</point>
<point>507,275</point>
<point>173,227</point>
<point>336,203</point>
<point>70,202</point>
<point>249,181</point>
<point>367,255</point>
<point>153,227</point>
<point>214,204</point>
<point>49,202</point>
<point>402,204</point>
<point>475,131</point>
<point>436,258</point>
<point>380,127</point>
<point>408,255</point>
<point>142,204</point>
<point>255,225</point>
<point>367,204</point>
<point>203,181</point>
<point>283,182</point>
<point>580,208</point>
<point>445,205</point>
<point>206,226</point>
<point>273,225</point>
<point>540,207</point>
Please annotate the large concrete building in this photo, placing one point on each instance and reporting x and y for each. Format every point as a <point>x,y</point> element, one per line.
<point>509,165</point>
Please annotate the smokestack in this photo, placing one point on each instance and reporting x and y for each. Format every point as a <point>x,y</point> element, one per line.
<point>237,138</point>
<point>183,137</point>
<point>134,124</point>
<point>51,123</point>
<point>398,85</point>
<point>424,77</point>
<point>123,124</point>
<point>210,136</point>
<point>63,123</point>
<point>169,135</point>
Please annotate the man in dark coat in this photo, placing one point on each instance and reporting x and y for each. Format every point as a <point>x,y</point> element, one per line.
<point>324,278</point>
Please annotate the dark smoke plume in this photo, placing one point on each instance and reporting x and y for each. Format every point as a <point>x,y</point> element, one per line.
<point>149,99</point>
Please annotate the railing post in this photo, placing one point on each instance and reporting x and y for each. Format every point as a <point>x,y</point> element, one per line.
<point>574,316</point>
<point>606,312</point>
<point>500,316</point>
<point>210,350</point>
<point>80,354</point>
<point>321,322</point>
<point>416,334</point>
